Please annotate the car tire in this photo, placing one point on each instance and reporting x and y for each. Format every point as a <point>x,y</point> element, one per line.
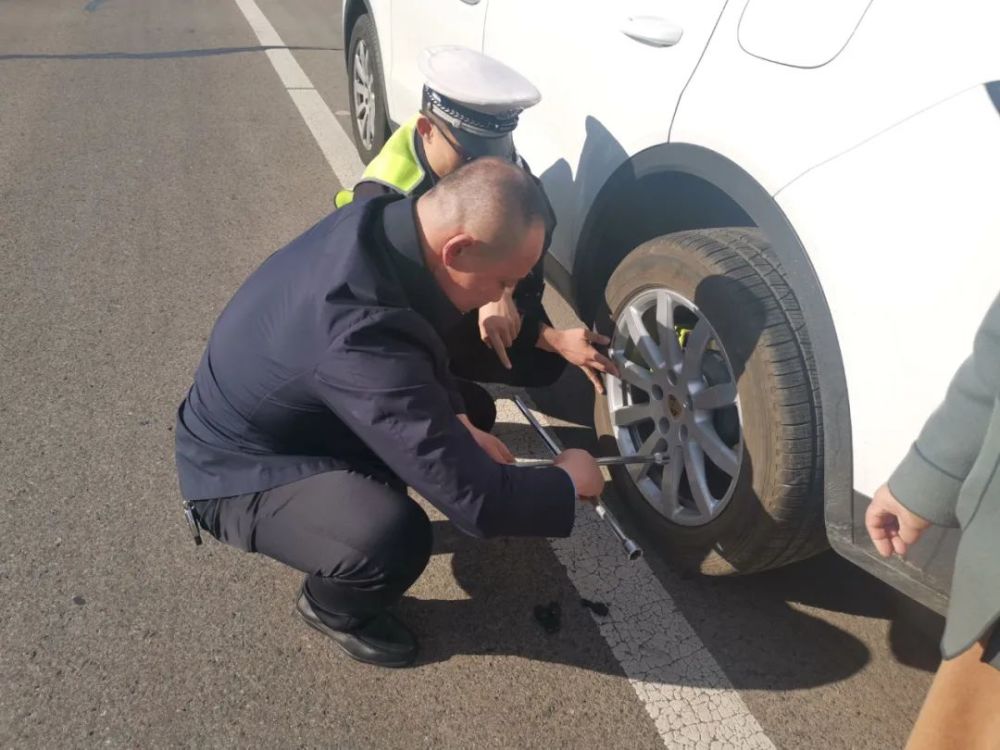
<point>771,511</point>
<point>369,121</point>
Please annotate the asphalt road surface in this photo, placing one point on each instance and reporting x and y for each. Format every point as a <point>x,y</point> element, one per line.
<point>151,155</point>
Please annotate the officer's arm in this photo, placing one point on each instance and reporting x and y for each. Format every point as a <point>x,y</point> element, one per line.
<point>528,294</point>
<point>371,189</point>
<point>382,380</point>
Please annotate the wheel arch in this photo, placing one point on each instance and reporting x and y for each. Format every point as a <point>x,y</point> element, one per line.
<point>675,187</point>
<point>353,10</point>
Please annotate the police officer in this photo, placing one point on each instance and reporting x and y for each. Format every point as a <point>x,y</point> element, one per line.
<point>471,105</point>
<point>324,390</point>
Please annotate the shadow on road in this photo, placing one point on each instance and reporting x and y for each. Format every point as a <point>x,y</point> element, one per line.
<point>760,629</point>
<point>770,631</point>
<point>771,606</point>
<point>166,54</point>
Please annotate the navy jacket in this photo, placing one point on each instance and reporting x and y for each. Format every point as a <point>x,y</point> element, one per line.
<point>329,357</point>
<point>529,292</point>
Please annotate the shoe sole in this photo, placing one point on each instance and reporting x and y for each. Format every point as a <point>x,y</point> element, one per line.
<point>319,629</point>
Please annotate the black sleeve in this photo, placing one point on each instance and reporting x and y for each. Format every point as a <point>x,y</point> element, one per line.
<point>455,397</point>
<point>528,293</point>
<point>383,380</point>
<point>371,189</point>
<point>528,298</point>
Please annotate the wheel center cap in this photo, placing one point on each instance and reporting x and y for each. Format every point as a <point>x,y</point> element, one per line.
<point>675,407</point>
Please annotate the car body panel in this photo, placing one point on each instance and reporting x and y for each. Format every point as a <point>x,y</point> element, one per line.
<point>859,137</point>
<point>585,128</point>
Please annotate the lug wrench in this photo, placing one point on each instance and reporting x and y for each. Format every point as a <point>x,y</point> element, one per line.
<point>632,549</point>
<point>656,458</point>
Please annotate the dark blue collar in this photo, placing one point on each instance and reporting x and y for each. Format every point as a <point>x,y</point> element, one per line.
<point>421,289</point>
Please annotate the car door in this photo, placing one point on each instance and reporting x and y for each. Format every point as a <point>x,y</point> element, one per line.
<point>610,73</point>
<point>417,25</point>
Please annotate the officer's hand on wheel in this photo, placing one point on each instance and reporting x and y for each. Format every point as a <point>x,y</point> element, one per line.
<point>499,325</point>
<point>586,474</point>
<point>576,346</point>
<point>890,525</point>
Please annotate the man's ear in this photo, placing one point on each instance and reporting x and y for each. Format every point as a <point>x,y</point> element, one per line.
<point>424,126</point>
<point>455,254</point>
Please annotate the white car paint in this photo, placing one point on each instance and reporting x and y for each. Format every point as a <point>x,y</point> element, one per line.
<point>821,29</point>
<point>421,24</point>
<point>776,121</point>
<point>598,106</point>
<point>904,234</point>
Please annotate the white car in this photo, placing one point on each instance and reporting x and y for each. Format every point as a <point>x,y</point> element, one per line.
<point>785,210</point>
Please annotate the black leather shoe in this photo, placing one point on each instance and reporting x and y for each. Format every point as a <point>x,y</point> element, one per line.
<point>383,640</point>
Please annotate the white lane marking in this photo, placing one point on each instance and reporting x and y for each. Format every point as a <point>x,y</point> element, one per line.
<point>682,687</point>
<point>335,144</point>
<point>333,141</point>
<point>288,68</point>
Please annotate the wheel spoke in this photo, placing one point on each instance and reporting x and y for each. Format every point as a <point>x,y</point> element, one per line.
<point>634,375</point>
<point>704,434</point>
<point>670,348</point>
<point>653,443</point>
<point>630,415</point>
<point>643,340</point>
<point>697,343</point>
<point>694,462</point>
<point>673,471</point>
<point>715,397</point>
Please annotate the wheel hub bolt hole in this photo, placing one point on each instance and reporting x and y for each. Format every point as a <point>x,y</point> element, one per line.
<point>657,393</point>
<point>664,425</point>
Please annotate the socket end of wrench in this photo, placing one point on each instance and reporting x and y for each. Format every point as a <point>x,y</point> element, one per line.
<point>633,550</point>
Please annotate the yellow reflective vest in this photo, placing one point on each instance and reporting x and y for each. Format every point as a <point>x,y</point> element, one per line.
<point>396,165</point>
